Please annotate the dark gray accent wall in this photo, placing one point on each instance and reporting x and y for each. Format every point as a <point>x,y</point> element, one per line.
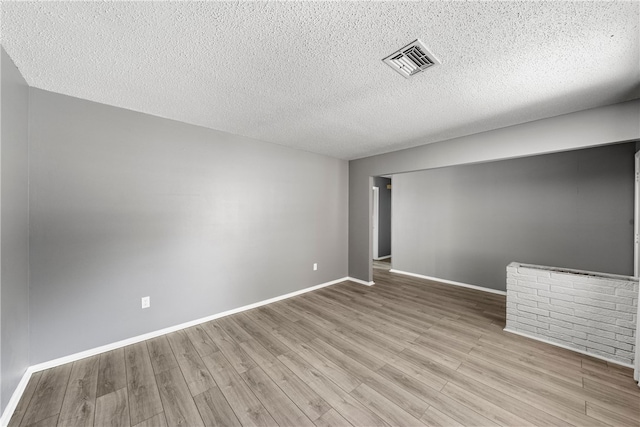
<point>14,230</point>
<point>467,223</point>
<point>384,216</point>
<point>126,205</point>
<point>583,129</point>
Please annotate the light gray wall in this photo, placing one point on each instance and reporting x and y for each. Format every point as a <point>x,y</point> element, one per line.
<point>125,205</point>
<point>14,230</point>
<point>467,223</point>
<point>384,215</point>
<point>589,128</point>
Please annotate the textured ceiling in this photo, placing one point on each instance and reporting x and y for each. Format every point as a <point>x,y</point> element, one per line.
<point>309,74</point>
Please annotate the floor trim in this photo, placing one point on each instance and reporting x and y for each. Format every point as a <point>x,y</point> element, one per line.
<point>450,282</point>
<point>360,282</point>
<point>17,394</point>
<point>382,257</point>
<point>566,347</point>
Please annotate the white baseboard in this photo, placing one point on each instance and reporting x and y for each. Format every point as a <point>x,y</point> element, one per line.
<point>450,282</point>
<point>360,282</point>
<point>17,394</point>
<point>566,347</point>
<point>382,257</point>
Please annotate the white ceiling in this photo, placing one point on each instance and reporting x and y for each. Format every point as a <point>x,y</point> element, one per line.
<point>310,74</point>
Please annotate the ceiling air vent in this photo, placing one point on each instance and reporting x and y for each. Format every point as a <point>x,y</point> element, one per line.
<point>411,59</point>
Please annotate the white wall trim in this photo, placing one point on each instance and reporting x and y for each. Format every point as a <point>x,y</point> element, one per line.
<point>382,257</point>
<point>360,282</point>
<point>450,282</point>
<point>566,347</point>
<point>17,394</point>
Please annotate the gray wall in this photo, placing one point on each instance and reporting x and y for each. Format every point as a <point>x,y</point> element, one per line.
<point>384,216</point>
<point>588,128</point>
<point>125,205</point>
<point>14,231</point>
<point>467,223</point>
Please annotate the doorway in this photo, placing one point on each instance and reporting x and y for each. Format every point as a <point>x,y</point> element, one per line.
<point>381,222</point>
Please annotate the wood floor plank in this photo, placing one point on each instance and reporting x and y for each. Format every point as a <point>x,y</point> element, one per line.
<point>51,421</point>
<point>201,341</point>
<point>281,408</point>
<point>483,407</point>
<point>144,397</point>
<point>610,417</point>
<point>158,420</point>
<point>384,408</point>
<point>349,407</point>
<point>179,406</point>
<point>244,403</point>
<point>332,419</point>
<point>215,410</point>
<point>435,418</point>
<point>48,396</point>
<point>434,398</point>
<point>78,407</point>
<point>231,349</point>
<point>161,354</point>
<point>298,391</point>
<point>25,400</point>
<point>112,409</point>
<point>112,373</point>
<point>195,372</point>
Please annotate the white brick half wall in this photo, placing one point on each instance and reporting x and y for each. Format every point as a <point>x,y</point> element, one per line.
<point>593,313</point>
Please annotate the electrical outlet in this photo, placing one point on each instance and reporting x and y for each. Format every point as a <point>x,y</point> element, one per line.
<point>315,266</point>
<point>146,302</point>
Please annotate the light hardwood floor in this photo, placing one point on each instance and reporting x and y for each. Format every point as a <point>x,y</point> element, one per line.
<point>403,352</point>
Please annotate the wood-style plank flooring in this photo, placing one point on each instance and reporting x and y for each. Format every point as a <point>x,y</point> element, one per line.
<point>403,352</point>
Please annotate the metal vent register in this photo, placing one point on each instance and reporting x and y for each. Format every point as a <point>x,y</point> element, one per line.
<point>411,59</point>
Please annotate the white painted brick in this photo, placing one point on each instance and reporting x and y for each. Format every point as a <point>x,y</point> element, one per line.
<point>626,293</point>
<point>557,337</point>
<point>519,313</point>
<point>570,332</point>
<point>626,354</point>
<point>533,272</point>
<point>561,323</point>
<point>532,285</point>
<point>610,328</point>
<point>531,322</point>
<point>559,309</point>
<point>531,297</point>
<point>525,302</point>
<point>627,308</point>
<point>570,319</point>
<point>603,297</point>
<point>594,345</point>
<point>594,302</point>
<point>555,282</point>
<point>626,339</point>
<point>594,288</point>
<point>611,343</point>
<point>522,290</point>
<point>556,296</point>
<point>626,324</point>
<point>534,310</point>
<point>525,328</point>
<point>595,331</point>
<point>587,311</point>
<point>602,314</point>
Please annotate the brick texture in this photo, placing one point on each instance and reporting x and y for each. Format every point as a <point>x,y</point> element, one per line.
<point>591,312</point>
